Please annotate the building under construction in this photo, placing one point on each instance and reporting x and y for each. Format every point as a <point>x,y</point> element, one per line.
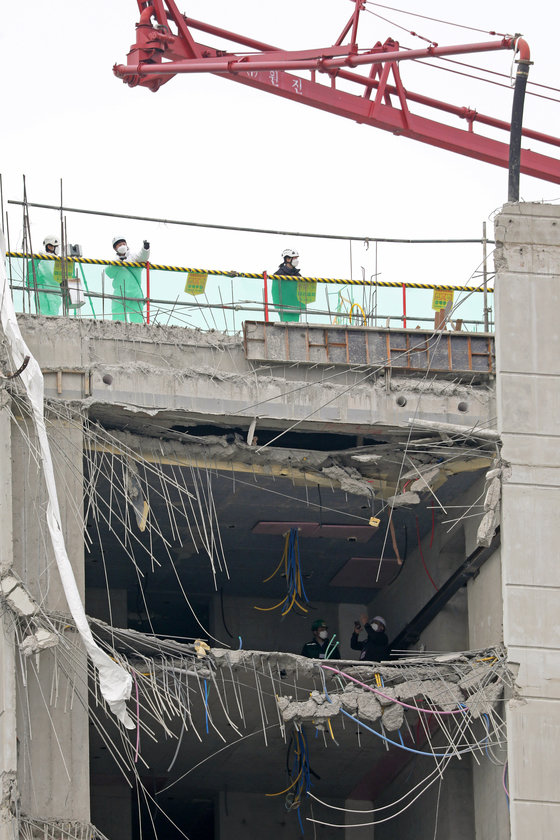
<point>202,468</point>
<point>203,497</point>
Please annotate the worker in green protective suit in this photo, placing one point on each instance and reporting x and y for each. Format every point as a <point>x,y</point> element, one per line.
<point>45,276</point>
<point>285,292</point>
<point>128,301</point>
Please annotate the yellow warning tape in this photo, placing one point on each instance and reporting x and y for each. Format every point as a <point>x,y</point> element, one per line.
<point>250,275</point>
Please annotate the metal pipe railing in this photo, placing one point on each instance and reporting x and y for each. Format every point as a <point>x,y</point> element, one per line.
<point>250,306</point>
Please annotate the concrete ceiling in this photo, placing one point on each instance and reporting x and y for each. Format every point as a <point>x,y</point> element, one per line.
<point>241,502</point>
<point>243,489</point>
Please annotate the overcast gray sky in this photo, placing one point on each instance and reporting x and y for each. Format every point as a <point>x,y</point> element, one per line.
<point>206,149</point>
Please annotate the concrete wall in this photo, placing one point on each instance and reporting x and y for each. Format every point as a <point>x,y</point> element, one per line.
<point>53,771</point>
<point>8,732</point>
<point>528,403</point>
<point>485,605</point>
<point>412,589</point>
<point>207,375</point>
<point>444,810</point>
<point>271,631</point>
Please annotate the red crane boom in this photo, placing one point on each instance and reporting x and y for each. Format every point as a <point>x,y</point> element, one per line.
<point>165,46</point>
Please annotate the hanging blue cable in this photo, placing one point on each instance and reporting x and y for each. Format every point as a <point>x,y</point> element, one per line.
<point>291,562</point>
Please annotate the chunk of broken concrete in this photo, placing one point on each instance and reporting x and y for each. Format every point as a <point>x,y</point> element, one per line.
<point>17,597</point>
<point>40,640</point>
<point>407,498</point>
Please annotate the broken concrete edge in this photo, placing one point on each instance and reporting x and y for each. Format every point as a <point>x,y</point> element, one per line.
<point>24,606</point>
<point>85,329</point>
<point>284,660</point>
<point>487,435</point>
<point>444,680</point>
<point>386,703</point>
<point>331,469</point>
<point>491,519</point>
<point>16,596</point>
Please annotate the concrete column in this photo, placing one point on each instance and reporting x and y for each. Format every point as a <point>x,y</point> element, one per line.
<point>8,740</point>
<point>528,402</point>
<point>53,765</point>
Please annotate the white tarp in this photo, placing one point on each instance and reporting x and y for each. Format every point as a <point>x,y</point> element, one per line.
<point>114,682</point>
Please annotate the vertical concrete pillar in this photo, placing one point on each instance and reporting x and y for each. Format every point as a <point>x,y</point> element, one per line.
<point>528,405</point>
<point>53,763</point>
<point>8,741</point>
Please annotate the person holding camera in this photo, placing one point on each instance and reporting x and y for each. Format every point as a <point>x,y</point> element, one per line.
<point>375,648</point>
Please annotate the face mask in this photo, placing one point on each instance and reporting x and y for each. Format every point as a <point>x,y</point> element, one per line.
<point>295,262</point>
<point>323,634</point>
<point>121,250</point>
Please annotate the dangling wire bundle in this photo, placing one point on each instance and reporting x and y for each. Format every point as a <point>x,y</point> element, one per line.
<point>300,774</point>
<point>296,595</point>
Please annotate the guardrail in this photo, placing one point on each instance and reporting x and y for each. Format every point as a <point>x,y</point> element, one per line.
<point>219,299</point>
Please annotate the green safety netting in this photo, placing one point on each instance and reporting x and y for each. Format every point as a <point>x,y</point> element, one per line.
<point>214,302</point>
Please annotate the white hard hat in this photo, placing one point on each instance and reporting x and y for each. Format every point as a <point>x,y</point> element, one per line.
<point>289,252</point>
<point>118,239</point>
<point>51,240</point>
<point>380,619</point>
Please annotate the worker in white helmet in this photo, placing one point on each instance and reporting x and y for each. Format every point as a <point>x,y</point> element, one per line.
<point>285,292</point>
<point>128,303</point>
<point>45,276</point>
<point>375,648</point>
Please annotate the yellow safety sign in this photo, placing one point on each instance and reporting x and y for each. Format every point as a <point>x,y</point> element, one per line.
<point>196,283</point>
<point>57,270</point>
<point>441,298</point>
<point>306,292</point>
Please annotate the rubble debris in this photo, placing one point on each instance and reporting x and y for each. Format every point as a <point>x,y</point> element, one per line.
<point>369,458</point>
<point>362,703</point>
<point>482,701</point>
<point>38,641</point>
<point>427,478</point>
<point>441,693</point>
<point>348,479</point>
<point>135,494</point>
<point>393,717</point>
<point>407,498</point>
<point>490,435</point>
<point>314,709</point>
<point>16,596</point>
<point>481,673</point>
<point>492,506</point>
<point>314,694</point>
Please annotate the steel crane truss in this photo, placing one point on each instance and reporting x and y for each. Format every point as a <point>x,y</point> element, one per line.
<point>382,101</point>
